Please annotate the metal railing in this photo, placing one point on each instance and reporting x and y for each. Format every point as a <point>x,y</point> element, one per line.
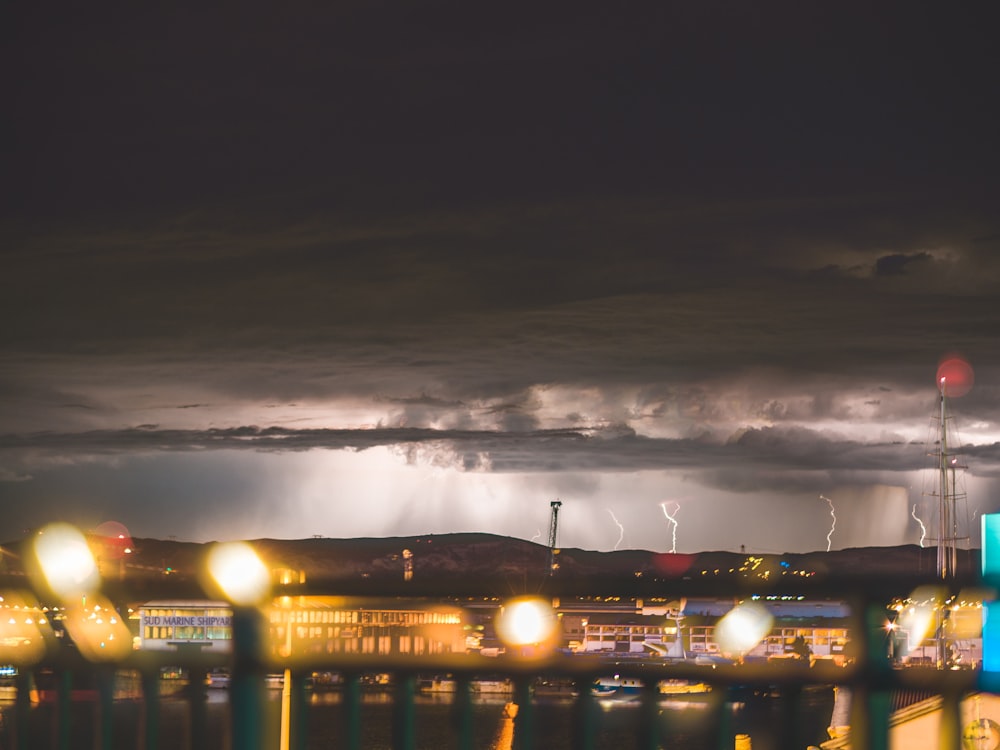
<point>871,676</point>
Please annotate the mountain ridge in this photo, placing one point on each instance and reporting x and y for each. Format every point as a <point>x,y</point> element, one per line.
<point>463,563</point>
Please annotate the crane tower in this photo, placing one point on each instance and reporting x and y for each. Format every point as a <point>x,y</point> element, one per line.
<point>948,493</point>
<point>553,530</point>
<point>954,378</point>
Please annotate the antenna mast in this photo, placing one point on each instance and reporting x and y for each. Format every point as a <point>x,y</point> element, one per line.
<point>954,378</point>
<point>948,495</point>
<point>553,530</point>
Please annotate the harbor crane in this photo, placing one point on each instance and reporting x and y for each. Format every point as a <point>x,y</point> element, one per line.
<point>553,530</point>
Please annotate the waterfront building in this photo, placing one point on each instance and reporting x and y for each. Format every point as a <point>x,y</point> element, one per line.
<point>631,634</point>
<point>303,625</point>
<point>331,625</point>
<point>181,625</point>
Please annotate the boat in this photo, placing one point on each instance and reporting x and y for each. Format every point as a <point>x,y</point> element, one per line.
<point>683,687</point>
<point>327,680</point>
<point>8,682</point>
<point>554,688</point>
<point>450,685</point>
<point>916,717</point>
<point>173,680</point>
<point>503,687</point>
<point>617,688</point>
<point>629,688</point>
<point>48,684</point>
<point>706,659</point>
<point>436,685</point>
<point>926,630</point>
<point>217,679</point>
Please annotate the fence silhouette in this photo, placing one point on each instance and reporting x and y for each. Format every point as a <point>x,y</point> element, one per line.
<point>54,674</point>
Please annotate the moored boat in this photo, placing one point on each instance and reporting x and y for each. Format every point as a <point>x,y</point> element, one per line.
<point>629,688</point>
<point>450,685</point>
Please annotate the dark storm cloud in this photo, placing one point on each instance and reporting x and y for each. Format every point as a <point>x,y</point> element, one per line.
<point>425,400</point>
<point>614,449</point>
<point>616,307</point>
<point>729,240</point>
<point>893,265</point>
<point>169,112</point>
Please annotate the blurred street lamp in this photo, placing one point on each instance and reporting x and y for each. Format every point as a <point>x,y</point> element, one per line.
<point>527,622</point>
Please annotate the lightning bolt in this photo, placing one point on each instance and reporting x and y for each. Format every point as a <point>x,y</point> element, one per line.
<point>673,522</point>
<point>833,524</point>
<point>538,535</point>
<point>621,529</point>
<point>923,529</point>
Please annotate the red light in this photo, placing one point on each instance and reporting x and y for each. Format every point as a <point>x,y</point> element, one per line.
<point>954,376</point>
<point>672,564</point>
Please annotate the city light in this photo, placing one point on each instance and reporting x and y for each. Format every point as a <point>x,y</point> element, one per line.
<point>918,619</point>
<point>238,572</point>
<point>525,622</point>
<point>97,630</point>
<point>25,632</point>
<point>743,627</point>
<point>66,562</point>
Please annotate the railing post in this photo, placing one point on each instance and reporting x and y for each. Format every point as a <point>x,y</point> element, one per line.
<point>462,713</point>
<point>524,720</point>
<point>246,684</point>
<point>64,698</point>
<point>299,717</point>
<point>196,700</point>
<point>352,710</point>
<point>648,737</point>
<point>792,734</point>
<point>22,710</point>
<point>870,709</point>
<point>151,708</point>
<point>871,704</point>
<point>725,736</point>
<point>585,710</point>
<point>105,679</point>
<point>403,713</point>
<point>951,721</point>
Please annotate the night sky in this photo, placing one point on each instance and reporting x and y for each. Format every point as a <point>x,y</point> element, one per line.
<point>404,268</point>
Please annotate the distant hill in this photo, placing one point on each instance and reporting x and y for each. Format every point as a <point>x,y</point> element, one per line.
<point>487,564</point>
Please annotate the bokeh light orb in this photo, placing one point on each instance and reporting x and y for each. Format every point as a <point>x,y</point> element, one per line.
<point>114,538</point>
<point>743,627</point>
<point>954,376</point>
<point>919,617</point>
<point>525,622</point>
<point>25,632</point>
<point>239,572</point>
<point>672,564</point>
<point>967,613</point>
<point>97,630</point>
<point>66,561</point>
